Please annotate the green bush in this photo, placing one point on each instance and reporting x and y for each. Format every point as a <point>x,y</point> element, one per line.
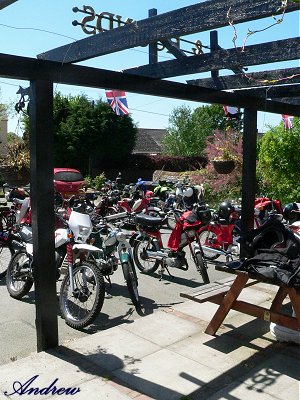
<point>278,166</point>
<point>96,182</point>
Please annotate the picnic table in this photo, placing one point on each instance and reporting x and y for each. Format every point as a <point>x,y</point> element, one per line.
<point>225,293</point>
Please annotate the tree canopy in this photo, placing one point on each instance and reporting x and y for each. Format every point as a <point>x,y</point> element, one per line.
<point>86,131</point>
<point>278,166</point>
<point>188,130</point>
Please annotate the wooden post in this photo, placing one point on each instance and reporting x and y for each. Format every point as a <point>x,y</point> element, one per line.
<point>249,169</point>
<point>42,203</point>
<point>214,45</point>
<point>153,53</point>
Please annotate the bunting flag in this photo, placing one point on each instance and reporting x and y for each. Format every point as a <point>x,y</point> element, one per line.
<point>287,121</point>
<point>231,112</point>
<point>117,101</point>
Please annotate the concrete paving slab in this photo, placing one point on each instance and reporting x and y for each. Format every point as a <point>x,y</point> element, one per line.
<point>167,375</point>
<point>162,328</point>
<point>96,389</point>
<point>45,368</point>
<point>278,376</point>
<point>220,353</point>
<point>235,391</point>
<point>114,348</point>
<point>20,341</point>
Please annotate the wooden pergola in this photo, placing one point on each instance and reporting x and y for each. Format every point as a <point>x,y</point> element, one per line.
<point>247,91</point>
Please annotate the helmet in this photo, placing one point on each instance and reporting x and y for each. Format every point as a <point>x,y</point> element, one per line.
<point>225,209</point>
<point>288,213</point>
<point>149,193</point>
<point>188,192</point>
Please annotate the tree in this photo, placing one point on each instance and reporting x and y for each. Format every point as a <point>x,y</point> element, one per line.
<point>278,163</point>
<point>86,130</point>
<point>188,130</point>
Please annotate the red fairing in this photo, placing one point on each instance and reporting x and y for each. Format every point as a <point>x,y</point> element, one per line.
<point>265,201</point>
<point>181,225</point>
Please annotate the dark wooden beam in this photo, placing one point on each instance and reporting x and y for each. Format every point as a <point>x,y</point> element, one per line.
<point>249,170</point>
<point>28,69</point>
<point>264,53</point>
<point>262,78</point>
<point>42,204</point>
<point>272,92</point>
<point>184,21</point>
<point>6,3</point>
<point>153,52</point>
<point>173,49</point>
<point>288,100</point>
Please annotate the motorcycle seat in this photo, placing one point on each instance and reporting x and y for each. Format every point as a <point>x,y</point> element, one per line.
<point>148,220</point>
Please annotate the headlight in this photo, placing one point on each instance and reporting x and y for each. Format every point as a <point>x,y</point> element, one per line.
<point>121,236</point>
<point>84,231</point>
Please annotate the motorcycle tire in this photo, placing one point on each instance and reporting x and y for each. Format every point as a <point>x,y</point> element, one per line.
<point>202,268</point>
<point>18,276</point>
<point>131,282</point>
<point>81,307</point>
<point>6,253</point>
<point>206,236</point>
<point>144,264</point>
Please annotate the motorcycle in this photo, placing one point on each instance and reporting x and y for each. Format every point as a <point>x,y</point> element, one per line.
<point>220,236</point>
<point>111,240</point>
<point>82,290</point>
<point>148,250</point>
<point>13,223</point>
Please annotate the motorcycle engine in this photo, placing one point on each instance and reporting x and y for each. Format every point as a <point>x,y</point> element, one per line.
<point>109,266</point>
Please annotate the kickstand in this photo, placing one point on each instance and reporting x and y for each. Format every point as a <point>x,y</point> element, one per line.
<point>162,269</point>
<point>107,294</point>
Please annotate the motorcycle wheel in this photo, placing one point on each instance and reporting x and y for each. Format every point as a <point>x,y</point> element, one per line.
<point>18,277</point>
<point>131,282</point>
<point>144,264</point>
<point>6,253</point>
<point>202,268</point>
<point>206,237</point>
<point>81,307</point>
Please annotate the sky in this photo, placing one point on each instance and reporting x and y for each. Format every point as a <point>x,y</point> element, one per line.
<point>31,27</point>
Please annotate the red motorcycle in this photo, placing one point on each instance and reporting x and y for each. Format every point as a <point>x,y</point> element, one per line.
<point>149,252</point>
<point>263,207</point>
<point>220,236</point>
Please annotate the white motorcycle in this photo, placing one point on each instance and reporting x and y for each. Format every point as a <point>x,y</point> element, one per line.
<point>82,290</point>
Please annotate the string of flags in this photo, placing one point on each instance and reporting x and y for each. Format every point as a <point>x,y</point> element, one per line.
<point>117,100</point>
<point>232,112</point>
<point>287,121</point>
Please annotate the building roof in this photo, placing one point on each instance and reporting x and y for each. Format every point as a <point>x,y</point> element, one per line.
<point>149,141</point>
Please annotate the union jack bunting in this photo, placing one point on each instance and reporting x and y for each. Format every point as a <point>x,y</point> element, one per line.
<point>231,112</point>
<point>287,121</point>
<point>117,101</point>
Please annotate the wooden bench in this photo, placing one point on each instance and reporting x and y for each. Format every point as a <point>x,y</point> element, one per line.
<point>225,293</point>
<point>212,290</point>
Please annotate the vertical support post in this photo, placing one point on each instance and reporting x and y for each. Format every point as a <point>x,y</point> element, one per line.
<point>214,45</point>
<point>42,204</point>
<point>153,52</point>
<point>249,169</point>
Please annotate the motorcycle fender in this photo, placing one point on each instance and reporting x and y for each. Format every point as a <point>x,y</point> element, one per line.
<point>124,257</point>
<point>85,247</point>
<point>154,209</point>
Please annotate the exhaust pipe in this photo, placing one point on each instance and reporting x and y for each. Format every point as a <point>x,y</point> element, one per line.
<point>211,249</point>
<point>157,255</point>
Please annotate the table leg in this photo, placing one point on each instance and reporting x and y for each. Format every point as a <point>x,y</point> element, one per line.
<point>226,303</point>
<point>278,299</point>
<point>295,300</point>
